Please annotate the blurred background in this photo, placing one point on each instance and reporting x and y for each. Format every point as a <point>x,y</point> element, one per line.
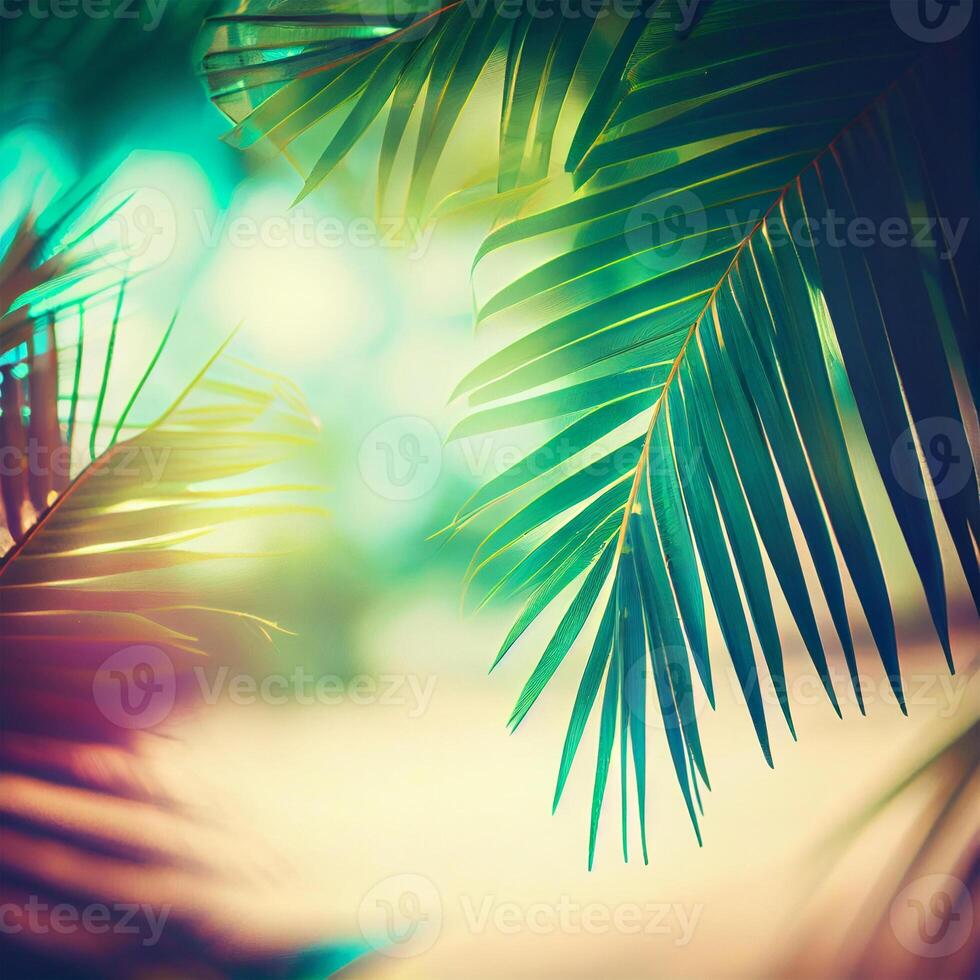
<point>392,791</point>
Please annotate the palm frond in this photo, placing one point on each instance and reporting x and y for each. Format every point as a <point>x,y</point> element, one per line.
<point>693,337</point>
<point>50,270</point>
<point>277,69</point>
<point>107,520</point>
<point>693,318</point>
<point>122,538</point>
<point>114,560</point>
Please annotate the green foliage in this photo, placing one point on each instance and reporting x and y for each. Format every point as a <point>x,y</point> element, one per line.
<point>88,498</point>
<point>692,331</point>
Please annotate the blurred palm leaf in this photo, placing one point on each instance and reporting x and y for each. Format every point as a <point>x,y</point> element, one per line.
<point>689,323</point>
<point>88,498</point>
<point>50,268</point>
<point>114,540</point>
<point>276,69</point>
<point>917,917</point>
<point>80,72</point>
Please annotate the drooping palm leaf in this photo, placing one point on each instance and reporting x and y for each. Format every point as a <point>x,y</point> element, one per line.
<point>690,339</point>
<point>107,565</point>
<point>50,270</point>
<point>688,258</point>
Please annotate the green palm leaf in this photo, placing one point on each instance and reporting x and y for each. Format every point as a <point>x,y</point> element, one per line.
<point>690,244</point>
<point>276,69</point>
<point>692,338</point>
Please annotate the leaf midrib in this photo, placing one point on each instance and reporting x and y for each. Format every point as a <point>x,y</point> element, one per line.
<point>692,332</point>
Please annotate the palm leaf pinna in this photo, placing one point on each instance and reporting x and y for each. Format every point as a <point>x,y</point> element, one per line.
<point>276,69</point>
<point>688,316</point>
<point>113,563</point>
